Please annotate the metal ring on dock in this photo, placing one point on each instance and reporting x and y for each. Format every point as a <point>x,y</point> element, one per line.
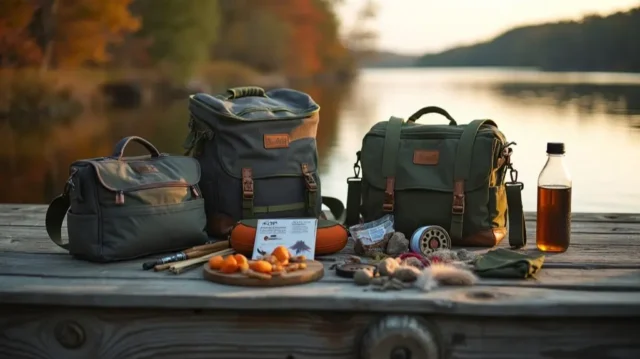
<point>400,337</point>
<point>428,239</point>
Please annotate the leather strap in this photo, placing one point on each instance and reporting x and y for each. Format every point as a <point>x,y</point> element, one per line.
<point>517,228</point>
<point>118,151</point>
<point>462,166</point>
<point>432,109</point>
<point>311,188</point>
<point>247,193</point>
<point>55,216</point>
<point>389,157</point>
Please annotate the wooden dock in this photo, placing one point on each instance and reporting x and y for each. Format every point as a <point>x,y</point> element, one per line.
<point>585,304</point>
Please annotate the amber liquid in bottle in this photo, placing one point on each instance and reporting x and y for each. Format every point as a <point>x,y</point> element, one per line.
<point>553,227</point>
<point>553,223</point>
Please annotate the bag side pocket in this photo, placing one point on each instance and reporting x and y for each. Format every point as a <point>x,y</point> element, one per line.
<point>498,206</point>
<point>84,236</point>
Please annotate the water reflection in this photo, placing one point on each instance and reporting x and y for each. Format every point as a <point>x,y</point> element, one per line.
<point>597,115</point>
<point>618,100</point>
<point>34,160</point>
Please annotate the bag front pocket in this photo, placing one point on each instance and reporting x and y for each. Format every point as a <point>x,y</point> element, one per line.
<point>136,231</point>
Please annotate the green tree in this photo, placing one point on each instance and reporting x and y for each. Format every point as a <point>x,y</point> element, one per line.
<point>253,36</point>
<point>181,33</point>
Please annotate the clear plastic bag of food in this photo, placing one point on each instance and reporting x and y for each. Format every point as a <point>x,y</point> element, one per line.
<point>373,232</point>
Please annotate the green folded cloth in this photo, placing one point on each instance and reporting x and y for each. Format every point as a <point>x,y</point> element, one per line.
<point>505,263</point>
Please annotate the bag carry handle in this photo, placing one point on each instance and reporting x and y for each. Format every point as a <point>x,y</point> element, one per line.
<point>238,92</point>
<point>432,109</point>
<point>118,150</point>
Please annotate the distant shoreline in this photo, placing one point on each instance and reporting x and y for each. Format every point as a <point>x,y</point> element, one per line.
<point>592,44</point>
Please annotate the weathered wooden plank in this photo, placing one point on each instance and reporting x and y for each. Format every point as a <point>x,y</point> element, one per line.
<point>62,266</point>
<point>30,333</point>
<point>20,238</point>
<point>616,251</point>
<point>319,296</point>
<point>33,214</point>
<point>65,266</point>
<point>37,221</point>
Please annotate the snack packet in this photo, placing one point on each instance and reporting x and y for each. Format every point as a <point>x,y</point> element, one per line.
<point>372,232</point>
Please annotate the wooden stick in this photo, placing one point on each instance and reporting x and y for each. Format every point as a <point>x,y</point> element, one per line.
<point>176,267</point>
<point>212,247</point>
<point>192,252</point>
<point>190,255</point>
<point>184,269</point>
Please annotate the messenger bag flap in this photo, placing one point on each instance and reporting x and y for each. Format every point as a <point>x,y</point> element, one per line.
<point>426,157</point>
<point>133,173</point>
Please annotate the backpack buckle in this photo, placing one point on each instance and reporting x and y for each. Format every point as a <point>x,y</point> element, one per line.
<point>457,207</point>
<point>247,184</point>
<point>310,182</point>
<point>458,204</point>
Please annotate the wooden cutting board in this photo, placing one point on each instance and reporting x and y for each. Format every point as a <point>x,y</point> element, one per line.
<point>313,272</point>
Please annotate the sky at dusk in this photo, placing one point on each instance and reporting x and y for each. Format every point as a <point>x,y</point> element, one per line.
<point>419,26</point>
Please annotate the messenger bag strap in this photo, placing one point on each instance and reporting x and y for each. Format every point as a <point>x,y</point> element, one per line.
<point>55,216</point>
<point>464,156</point>
<point>354,195</point>
<point>389,157</point>
<point>517,228</point>
<point>354,199</point>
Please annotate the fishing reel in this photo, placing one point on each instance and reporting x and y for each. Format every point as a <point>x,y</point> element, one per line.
<point>428,239</point>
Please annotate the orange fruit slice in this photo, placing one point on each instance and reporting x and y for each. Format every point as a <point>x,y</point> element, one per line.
<point>216,262</point>
<point>282,253</point>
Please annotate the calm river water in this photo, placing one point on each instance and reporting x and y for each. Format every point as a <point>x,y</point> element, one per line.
<point>597,115</point>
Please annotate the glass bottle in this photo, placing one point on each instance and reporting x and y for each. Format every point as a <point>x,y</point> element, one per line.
<point>553,226</point>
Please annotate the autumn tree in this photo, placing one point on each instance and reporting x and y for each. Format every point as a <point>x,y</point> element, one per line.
<point>180,33</point>
<point>81,30</point>
<point>17,47</point>
<point>298,38</point>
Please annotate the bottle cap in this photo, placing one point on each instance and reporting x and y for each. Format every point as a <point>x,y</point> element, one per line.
<point>555,148</point>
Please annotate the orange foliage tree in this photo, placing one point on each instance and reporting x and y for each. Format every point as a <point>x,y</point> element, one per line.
<point>61,32</point>
<point>84,29</point>
<point>17,47</point>
<point>303,16</point>
<point>298,38</point>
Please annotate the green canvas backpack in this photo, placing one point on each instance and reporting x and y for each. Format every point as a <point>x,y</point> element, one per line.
<point>451,175</point>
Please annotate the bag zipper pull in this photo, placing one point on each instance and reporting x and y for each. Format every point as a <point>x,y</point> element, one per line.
<point>195,192</point>
<point>119,197</point>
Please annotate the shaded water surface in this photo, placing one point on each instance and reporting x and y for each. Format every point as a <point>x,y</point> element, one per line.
<point>597,115</point>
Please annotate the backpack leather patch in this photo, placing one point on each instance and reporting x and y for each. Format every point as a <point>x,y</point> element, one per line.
<point>280,140</point>
<point>426,157</point>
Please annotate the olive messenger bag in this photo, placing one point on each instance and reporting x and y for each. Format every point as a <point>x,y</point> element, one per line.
<point>120,208</point>
<point>450,175</point>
